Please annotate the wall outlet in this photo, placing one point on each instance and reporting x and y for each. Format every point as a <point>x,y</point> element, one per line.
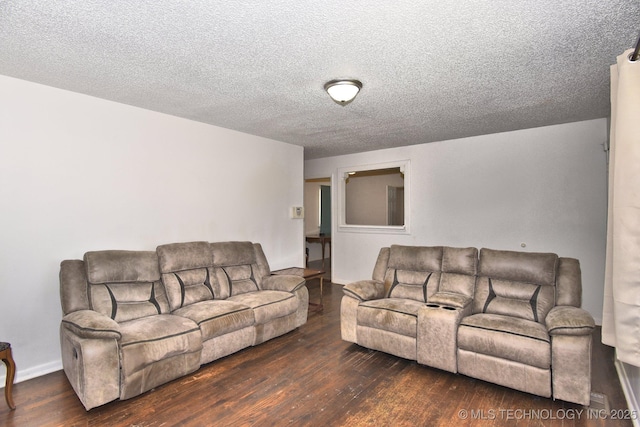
<point>297,212</point>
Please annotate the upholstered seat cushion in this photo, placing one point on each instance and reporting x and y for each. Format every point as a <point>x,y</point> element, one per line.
<point>154,338</point>
<point>396,315</point>
<point>506,337</point>
<point>218,317</point>
<point>268,305</point>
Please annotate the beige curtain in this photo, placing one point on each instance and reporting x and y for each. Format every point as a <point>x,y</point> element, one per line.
<point>621,310</point>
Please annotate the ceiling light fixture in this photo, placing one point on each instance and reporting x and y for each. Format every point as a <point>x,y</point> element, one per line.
<point>343,91</point>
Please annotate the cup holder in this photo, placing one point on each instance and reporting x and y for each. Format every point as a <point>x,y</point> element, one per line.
<point>444,307</point>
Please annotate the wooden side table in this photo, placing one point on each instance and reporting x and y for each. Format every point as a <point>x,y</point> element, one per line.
<point>7,358</point>
<point>306,273</point>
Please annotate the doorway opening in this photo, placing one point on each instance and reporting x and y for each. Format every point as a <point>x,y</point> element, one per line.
<point>317,222</point>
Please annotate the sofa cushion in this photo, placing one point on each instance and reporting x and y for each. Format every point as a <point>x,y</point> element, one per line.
<point>456,283</point>
<point>151,339</point>
<point>411,284</point>
<point>459,269</point>
<point>233,253</point>
<point>184,256</point>
<point>460,260</point>
<point>187,273</point>
<point>124,285</point>
<point>128,301</point>
<point>396,315</point>
<point>240,267</point>
<point>506,337</point>
<point>268,305</point>
<point>190,286</point>
<point>218,317</point>
<point>525,267</point>
<point>238,279</point>
<point>416,258</point>
<point>413,272</point>
<point>121,266</point>
<point>523,300</point>
<point>520,284</point>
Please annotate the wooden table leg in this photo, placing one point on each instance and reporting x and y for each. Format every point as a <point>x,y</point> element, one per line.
<point>7,358</point>
<point>319,306</point>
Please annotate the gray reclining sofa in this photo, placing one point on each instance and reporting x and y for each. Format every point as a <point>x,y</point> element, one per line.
<point>133,320</point>
<point>511,318</point>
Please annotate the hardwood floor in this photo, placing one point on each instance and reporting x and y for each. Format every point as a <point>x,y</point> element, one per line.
<point>311,377</point>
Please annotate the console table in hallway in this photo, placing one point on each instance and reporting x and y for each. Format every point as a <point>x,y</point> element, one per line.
<point>323,239</point>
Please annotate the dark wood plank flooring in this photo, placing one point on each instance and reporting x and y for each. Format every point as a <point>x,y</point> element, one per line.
<point>311,377</point>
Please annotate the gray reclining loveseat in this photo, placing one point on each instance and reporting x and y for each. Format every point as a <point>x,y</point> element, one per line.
<point>133,320</point>
<point>511,318</point>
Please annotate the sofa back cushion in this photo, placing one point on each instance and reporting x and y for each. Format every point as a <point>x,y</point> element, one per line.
<point>413,272</point>
<point>239,266</point>
<point>459,269</point>
<point>187,273</point>
<point>518,284</point>
<point>125,285</point>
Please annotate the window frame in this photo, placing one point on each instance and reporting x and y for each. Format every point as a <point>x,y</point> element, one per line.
<point>343,174</point>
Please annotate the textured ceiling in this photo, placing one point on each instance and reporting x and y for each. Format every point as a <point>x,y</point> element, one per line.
<point>431,70</point>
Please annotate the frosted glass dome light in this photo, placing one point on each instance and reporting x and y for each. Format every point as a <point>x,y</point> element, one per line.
<point>343,91</point>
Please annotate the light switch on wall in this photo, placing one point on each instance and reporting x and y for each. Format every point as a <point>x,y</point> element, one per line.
<point>297,212</point>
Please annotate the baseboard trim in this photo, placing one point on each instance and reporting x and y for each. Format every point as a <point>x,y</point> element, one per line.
<point>34,372</point>
<point>629,394</point>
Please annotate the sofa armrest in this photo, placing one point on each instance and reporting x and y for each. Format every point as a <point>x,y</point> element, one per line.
<point>283,282</point>
<point>450,299</point>
<point>91,324</point>
<point>364,290</point>
<point>569,320</point>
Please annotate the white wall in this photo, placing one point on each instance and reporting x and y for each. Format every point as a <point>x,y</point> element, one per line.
<point>79,173</point>
<point>545,187</point>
